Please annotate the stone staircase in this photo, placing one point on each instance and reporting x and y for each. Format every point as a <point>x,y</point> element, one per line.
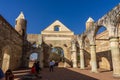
<point>61,64</point>
<point>25,74</point>
<point>20,73</point>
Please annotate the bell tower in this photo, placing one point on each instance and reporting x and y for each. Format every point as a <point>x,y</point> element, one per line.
<point>21,25</point>
<point>89,23</point>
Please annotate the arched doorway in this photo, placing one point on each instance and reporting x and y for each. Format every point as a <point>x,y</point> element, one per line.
<point>57,54</point>
<point>87,54</point>
<point>32,58</point>
<point>6,58</point>
<point>102,48</point>
<point>104,64</point>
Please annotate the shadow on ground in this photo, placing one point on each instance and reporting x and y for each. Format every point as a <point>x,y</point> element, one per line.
<point>64,74</point>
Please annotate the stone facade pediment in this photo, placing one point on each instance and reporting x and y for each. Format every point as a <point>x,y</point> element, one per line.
<point>62,29</point>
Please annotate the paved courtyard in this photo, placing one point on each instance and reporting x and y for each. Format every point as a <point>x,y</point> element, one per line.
<point>75,74</point>
<point>67,74</point>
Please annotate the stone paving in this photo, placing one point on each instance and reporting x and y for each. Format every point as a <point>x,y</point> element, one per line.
<point>68,74</point>
<point>76,74</point>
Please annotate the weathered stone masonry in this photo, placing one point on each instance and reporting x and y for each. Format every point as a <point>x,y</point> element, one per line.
<point>95,50</point>
<point>11,45</point>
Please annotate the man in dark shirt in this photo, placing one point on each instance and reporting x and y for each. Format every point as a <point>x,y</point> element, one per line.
<point>1,75</point>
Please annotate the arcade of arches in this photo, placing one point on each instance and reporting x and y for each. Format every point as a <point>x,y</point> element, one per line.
<point>96,50</point>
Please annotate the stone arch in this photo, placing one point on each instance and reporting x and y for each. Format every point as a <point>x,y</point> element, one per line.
<point>48,45</point>
<point>97,28</point>
<point>91,37</point>
<point>58,57</point>
<point>86,50</point>
<point>67,55</point>
<point>84,44</point>
<point>102,47</point>
<point>59,49</point>
<point>104,63</point>
<point>39,57</point>
<point>61,38</point>
<point>111,20</point>
<point>32,58</point>
<point>6,52</point>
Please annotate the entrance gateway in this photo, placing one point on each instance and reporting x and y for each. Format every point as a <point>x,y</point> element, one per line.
<point>57,35</point>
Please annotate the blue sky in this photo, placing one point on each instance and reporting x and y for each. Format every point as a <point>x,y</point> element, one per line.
<point>41,13</point>
<point>34,56</point>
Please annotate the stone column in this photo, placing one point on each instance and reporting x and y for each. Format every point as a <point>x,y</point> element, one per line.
<point>74,59</point>
<point>41,60</point>
<point>81,45</point>
<point>66,58</point>
<point>82,64</point>
<point>114,44</point>
<point>41,50</point>
<point>74,55</point>
<point>93,58</point>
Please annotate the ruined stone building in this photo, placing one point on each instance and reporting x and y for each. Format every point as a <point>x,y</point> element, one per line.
<point>95,50</point>
<point>11,40</point>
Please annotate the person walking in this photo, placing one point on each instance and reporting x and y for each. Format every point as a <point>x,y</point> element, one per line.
<point>2,76</point>
<point>51,65</point>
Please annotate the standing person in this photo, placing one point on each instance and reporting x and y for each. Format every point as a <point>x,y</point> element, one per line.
<point>9,75</point>
<point>51,65</point>
<point>33,70</point>
<point>2,77</point>
<point>37,67</point>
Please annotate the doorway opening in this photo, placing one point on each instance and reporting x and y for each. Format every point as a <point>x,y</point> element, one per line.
<point>57,55</point>
<point>32,58</point>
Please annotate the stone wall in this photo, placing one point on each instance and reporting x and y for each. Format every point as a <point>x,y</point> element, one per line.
<point>103,51</point>
<point>35,41</point>
<point>32,37</point>
<point>57,40</point>
<point>10,46</point>
<point>102,42</point>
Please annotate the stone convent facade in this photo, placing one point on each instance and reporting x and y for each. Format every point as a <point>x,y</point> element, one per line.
<point>95,50</point>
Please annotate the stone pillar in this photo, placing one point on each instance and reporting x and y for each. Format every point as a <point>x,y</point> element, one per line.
<point>41,60</point>
<point>82,64</point>
<point>74,59</point>
<point>93,59</point>
<point>41,50</point>
<point>66,58</point>
<point>74,55</point>
<point>114,44</point>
